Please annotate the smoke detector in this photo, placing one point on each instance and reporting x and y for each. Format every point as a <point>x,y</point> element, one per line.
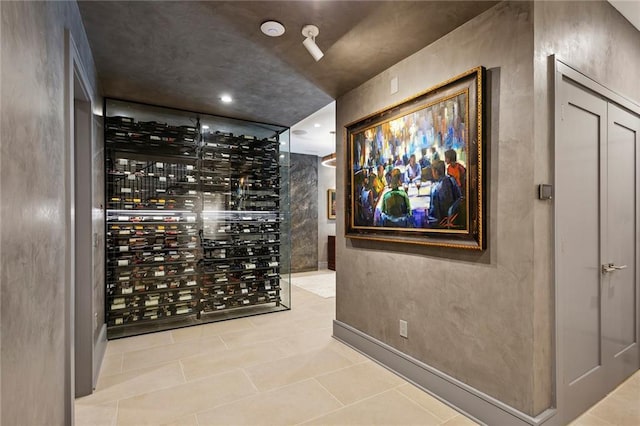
<point>272,28</point>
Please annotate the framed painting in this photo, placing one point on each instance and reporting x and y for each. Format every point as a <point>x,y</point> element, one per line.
<point>331,203</point>
<point>415,170</point>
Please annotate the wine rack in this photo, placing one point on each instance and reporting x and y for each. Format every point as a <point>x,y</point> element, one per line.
<point>240,235</point>
<point>152,242</point>
<point>193,221</point>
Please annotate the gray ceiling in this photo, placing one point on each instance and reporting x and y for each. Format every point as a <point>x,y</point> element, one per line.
<point>186,54</point>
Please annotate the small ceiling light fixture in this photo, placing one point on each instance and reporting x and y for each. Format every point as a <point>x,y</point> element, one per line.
<point>329,160</point>
<point>316,125</point>
<point>310,32</point>
<point>272,28</point>
<point>226,99</point>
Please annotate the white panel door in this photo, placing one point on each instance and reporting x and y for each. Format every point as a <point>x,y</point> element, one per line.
<point>580,157</point>
<point>620,276</point>
<point>597,243</point>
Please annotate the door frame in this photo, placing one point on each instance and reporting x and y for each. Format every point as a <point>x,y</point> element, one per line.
<point>562,69</point>
<point>84,279</point>
<point>75,79</point>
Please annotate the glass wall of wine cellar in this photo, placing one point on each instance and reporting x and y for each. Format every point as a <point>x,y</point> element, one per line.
<point>197,218</point>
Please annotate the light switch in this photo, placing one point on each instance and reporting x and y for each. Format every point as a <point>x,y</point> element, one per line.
<point>394,85</point>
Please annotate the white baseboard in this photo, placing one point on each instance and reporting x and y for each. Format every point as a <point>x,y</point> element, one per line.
<point>475,404</point>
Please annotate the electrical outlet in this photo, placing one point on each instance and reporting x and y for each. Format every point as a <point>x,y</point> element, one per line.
<point>403,329</point>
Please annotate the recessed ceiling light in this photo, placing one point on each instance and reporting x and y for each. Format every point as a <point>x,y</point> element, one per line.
<point>316,125</point>
<point>226,99</point>
<point>272,28</point>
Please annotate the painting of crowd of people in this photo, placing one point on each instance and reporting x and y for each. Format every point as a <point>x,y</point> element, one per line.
<point>414,172</point>
<point>410,172</point>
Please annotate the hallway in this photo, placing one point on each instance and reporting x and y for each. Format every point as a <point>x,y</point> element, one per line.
<point>278,369</point>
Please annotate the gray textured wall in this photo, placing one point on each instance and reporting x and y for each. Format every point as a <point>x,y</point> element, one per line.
<point>326,226</point>
<point>597,40</point>
<point>285,209</point>
<point>593,37</point>
<point>32,213</point>
<point>304,212</point>
<point>469,315</point>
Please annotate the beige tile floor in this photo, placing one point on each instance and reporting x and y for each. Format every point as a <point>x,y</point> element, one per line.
<point>282,368</point>
<point>620,408</point>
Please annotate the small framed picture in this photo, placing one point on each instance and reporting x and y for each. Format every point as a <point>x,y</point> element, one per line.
<point>331,203</point>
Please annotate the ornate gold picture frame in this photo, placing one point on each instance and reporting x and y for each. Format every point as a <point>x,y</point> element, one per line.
<point>415,170</point>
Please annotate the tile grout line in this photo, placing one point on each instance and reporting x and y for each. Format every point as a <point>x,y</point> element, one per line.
<point>345,406</point>
<point>250,381</point>
<point>229,402</point>
<point>156,364</point>
<point>123,353</point>
<point>270,340</point>
<point>275,390</point>
<point>159,363</point>
<point>285,385</point>
<point>200,379</point>
<point>184,376</point>
<point>442,421</point>
<point>223,342</point>
<point>309,377</point>
<point>115,419</point>
<point>339,369</point>
<point>330,393</point>
<point>145,392</point>
<point>135,337</point>
<point>121,363</point>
